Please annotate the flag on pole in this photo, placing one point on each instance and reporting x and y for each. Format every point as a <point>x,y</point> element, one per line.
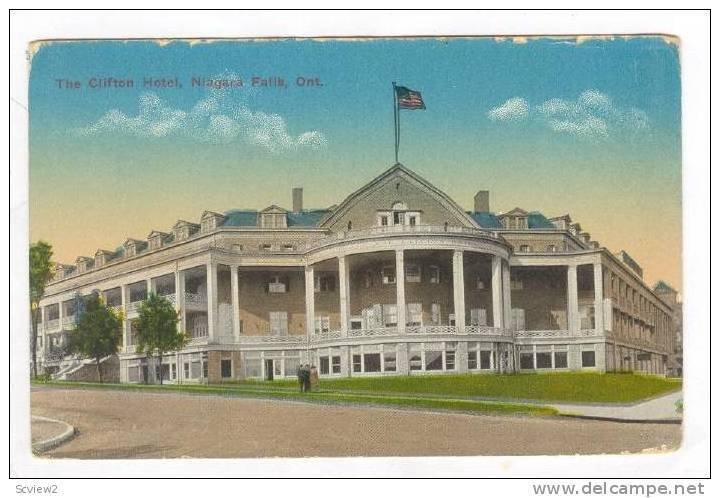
<point>409,99</point>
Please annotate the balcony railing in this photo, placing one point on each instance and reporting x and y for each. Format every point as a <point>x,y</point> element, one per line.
<point>195,299</point>
<point>68,320</point>
<point>372,332</point>
<point>552,334</point>
<point>487,331</point>
<point>278,339</point>
<point>52,324</point>
<point>170,297</point>
<point>401,230</point>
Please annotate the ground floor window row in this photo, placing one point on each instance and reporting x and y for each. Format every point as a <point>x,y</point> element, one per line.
<point>193,366</point>
<point>553,357</point>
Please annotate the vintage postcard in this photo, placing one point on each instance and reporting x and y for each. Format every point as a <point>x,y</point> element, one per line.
<point>361,247</point>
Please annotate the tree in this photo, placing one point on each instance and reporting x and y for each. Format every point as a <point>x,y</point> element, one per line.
<point>98,332</point>
<point>157,330</point>
<point>41,272</point>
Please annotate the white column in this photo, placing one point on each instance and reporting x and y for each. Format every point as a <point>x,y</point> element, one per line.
<point>126,322</point>
<point>212,292</point>
<point>310,300</point>
<point>459,290</point>
<point>599,308</point>
<point>572,300</point>
<point>497,294</point>
<point>507,301</point>
<point>149,286</point>
<point>344,277</point>
<point>400,290</point>
<point>180,299</point>
<point>235,290</point>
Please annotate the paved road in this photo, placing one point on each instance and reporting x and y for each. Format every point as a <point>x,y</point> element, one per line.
<point>123,424</point>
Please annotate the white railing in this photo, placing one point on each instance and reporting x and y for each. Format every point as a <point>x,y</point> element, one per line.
<point>199,330</point>
<point>68,320</point>
<point>401,229</point>
<point>133,306</point>
<point>379,331</point>
<point>197,299</point>
<point>327,335</point>
<point>431,329</point>
<point>52,324</point>
<point>563,333</point>
<point>486,330</point>
<point>276,339</point>
<point>170,297</point>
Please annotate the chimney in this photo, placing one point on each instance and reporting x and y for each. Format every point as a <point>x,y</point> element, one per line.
<point>297,199</point>
<point>482,201</point>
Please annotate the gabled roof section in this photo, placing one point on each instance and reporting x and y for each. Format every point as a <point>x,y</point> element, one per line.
<point>156,233</point>
<point>211,214</point>
<point>133,242</point>
<point>182,223</point>
<point>105,252</point>
<point>274,209</point>
<point>517,211</point>
<point>397,170</point>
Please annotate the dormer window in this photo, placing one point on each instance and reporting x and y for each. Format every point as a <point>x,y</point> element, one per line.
<point>273,217</point>
<point>156,240</point>
<point>102,257</point>
<point>184,229</point>
<point>210,221</point>
<point>83,264</point>
<point>398,215</point>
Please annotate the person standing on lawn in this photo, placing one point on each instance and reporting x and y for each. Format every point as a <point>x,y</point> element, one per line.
<point>313,374</point>
<point>301,381</point>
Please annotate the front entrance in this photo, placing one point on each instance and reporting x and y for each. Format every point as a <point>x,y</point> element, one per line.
<point>269,370</point>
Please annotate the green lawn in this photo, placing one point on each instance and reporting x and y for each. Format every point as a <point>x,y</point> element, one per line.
<point>270,391</point>
<point>560,387</point>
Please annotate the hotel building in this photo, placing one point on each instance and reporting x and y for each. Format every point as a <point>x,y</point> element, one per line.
<point>398,279</point>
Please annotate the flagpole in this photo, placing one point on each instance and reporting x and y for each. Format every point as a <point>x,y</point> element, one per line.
<point>397,122</point>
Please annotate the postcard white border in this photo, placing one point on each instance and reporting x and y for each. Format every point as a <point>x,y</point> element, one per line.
<point>692,28</point>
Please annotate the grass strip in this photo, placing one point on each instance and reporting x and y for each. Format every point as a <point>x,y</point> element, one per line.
<point>416,402</point>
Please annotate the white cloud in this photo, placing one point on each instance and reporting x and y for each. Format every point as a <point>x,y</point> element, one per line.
<point>593,115</point>
<point>220,118</point>
<point>514,109</point>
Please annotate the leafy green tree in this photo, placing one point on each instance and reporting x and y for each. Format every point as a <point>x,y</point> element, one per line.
<point>41,272</point>
<point>157,330</point>
<point>98,332</point>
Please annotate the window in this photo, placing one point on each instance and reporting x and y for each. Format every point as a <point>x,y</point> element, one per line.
<point>324,365</point>
<point>398,218</point>
<point>524,248</point>
<point>561,359</point>
<point>322,324</point>
<point>225,369</point>
<point>415,357</point>
<point>186,370</point>
<point>265,247</point>
<point>472,360</point>
<point>449,360</point>
<point>133,374</point>
<point>173,371</point>
<point>390,359</point>
<point>336,364</point>
<point>413,220</point>
<point>205,366</point>
<point>552,248</point>
<point>479,283</point>
<point>435,314</point>
<point>526,360</point>
<point>357,363</point>
<point>516,284</point>
<point>451,319</point>
<point>414,314</point>
<point>543,359</point>
<point>325,283</point>
<point>388,275</point>
<point>434,272</point>
<point>371,361</point>
<point>277,285</point>
<point>485,360</point>
<point>478,317</point>
<point>433,360</point>
<point>278,323</point>
<point>412,273</point>
<point>288,247</point>
<point>383,221</point>
<point>390,315</point>
<point>588,359</point>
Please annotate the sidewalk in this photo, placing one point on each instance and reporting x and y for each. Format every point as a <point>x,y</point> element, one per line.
<point>662,409</point>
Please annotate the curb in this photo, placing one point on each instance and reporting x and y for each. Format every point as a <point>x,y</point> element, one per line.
<point>625,420</point>
<point>66,435</point>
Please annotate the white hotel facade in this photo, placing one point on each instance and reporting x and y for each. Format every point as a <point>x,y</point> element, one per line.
<point>398,279</point>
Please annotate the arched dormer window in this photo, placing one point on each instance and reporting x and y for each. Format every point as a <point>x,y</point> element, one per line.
<point>398,215</point>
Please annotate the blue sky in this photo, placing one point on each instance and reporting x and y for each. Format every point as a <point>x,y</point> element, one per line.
<point>588,128</point>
